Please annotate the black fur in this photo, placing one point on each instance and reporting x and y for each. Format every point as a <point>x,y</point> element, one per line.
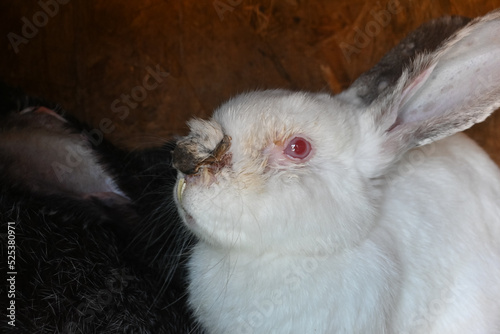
<point>92,263</point>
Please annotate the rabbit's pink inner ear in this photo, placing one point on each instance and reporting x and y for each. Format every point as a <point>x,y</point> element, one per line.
<point>452,88</point>
<point>396,115</point>
<point>408,92</point>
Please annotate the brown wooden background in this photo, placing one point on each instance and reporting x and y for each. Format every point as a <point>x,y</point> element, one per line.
<point>90,55</point>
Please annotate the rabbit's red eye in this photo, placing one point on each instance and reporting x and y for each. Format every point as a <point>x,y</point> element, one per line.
<point>298,148</point>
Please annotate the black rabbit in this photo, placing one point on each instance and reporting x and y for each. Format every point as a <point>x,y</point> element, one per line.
<point>98,245</point>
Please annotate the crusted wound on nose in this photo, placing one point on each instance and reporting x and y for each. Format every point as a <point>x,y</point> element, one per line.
<point>188,159</point>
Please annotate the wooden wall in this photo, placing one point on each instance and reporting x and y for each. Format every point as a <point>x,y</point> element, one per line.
<point>140,69</point>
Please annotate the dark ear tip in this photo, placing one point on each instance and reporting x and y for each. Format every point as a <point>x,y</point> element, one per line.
<point>428,37</point>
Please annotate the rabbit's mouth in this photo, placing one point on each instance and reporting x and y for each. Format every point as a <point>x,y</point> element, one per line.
<point>199,167</point>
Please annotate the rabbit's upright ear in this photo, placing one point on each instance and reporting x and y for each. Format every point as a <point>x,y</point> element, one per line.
<point>382,77</point>
<point>443,92</point>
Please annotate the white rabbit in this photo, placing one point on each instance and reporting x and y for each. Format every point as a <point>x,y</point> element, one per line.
<point>318,215</point>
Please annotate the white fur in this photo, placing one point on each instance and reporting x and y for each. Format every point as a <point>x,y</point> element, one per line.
<point>370,233</point>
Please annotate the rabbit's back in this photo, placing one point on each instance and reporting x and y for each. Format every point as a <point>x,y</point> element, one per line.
<point>449,256</point>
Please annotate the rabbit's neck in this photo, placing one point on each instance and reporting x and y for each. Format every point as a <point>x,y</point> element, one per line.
<point>283,287</point>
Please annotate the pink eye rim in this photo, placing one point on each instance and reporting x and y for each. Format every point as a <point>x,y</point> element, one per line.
<point>298,148</point>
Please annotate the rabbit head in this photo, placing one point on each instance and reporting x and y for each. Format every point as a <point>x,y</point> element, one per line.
<point>290,162</point>
<point>301,171</point>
